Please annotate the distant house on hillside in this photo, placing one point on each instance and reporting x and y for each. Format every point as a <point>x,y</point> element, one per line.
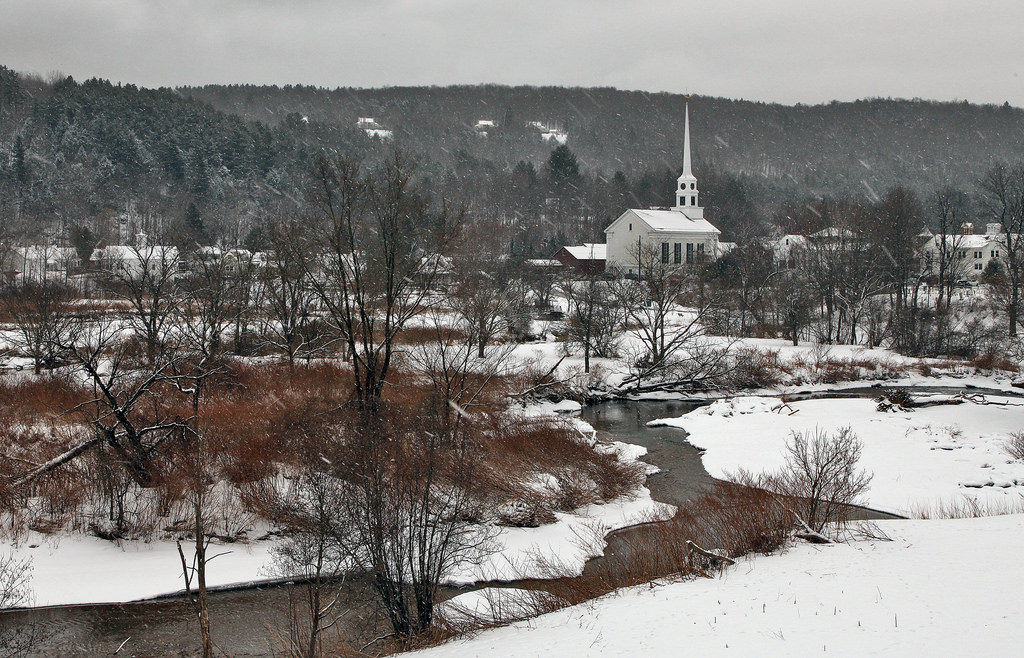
<point>679,235</point>
<point>586,258</point>
<point>372,128</point>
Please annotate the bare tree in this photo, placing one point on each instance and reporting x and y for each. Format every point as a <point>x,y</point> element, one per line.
<point>312,554</point>
<point>289,321</point>
<point>1003,202</point>
<point>594,317</point>
<point>669,315</point>
<point>41,312</point>
<point>377,249</point>
<point>821,476</point>
<point>951,208</point>
<point>16,592</point>
<point>129,411</point>
<point>487,299</point>
<point>146,278</point>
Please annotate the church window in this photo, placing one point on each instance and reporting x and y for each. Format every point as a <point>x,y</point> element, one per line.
<point>700,248</point>
<point>677,253</point>
<point>693,186</point>
<point>630,227</point>
<point>664,252</point>
<point>689,253</point>
<point>693,201</point>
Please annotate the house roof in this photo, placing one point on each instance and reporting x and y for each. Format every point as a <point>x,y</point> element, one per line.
<point>46,253</point>
<point>588,251</point>
<point>975,241</point>
<point>125,253</point>
<point>672,221</point>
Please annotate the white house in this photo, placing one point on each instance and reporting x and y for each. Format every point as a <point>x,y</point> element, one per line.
<point>372,128</point>
<point>680,234</point>
<point>40,263</point>
<point>971,253</point>
<point>131,262</point>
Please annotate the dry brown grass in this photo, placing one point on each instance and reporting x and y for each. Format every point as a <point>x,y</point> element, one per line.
<point>731,520</point>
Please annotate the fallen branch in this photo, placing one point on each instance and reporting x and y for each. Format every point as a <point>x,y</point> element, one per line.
<point>714,557</point>
<point>60,459</point>
<point>807,534</point>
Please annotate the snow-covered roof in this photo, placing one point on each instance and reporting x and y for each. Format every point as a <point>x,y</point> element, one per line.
<point>125,253</point>
<point>673,221</point>
<point>974,241</point>
<point>46,253</point>
<point>543,262</point>
<point>833,232</point>
<point>588,251</point>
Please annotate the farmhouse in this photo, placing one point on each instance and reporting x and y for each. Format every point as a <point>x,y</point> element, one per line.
<point>679,234</point>
<point>970,253</point>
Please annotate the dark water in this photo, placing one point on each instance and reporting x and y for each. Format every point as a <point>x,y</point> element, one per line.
<point>682,475</point>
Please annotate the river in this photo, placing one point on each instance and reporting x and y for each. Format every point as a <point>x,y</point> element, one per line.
<point>252,621</point>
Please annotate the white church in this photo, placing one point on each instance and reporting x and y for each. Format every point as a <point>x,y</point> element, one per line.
<point>680,235</point>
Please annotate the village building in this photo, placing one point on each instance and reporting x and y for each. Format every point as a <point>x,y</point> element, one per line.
<point>970,253</point>
<point>39,263</point>
<point>132,261</point>
<point>678,235</point>
<point>586,258</point>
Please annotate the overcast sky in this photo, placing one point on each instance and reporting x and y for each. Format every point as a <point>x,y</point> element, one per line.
<point>788,51</point>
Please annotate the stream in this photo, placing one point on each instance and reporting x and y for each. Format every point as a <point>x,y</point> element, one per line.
<point>253,621</point>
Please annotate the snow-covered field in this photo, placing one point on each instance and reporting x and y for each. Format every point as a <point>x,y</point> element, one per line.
<point>940,588</point>
<point>919,459</point>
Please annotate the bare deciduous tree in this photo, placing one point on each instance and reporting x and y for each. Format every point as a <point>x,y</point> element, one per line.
<point>377,252</point>
<point>41,312</point>
<point>1003,202</point>
<point>594,318</point>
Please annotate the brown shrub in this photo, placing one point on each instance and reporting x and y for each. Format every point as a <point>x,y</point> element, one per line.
<point>731,520</point>
<point>522,451</point>
<point>753,368</point>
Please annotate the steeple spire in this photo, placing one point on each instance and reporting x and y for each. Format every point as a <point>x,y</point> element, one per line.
<point>686,189</point>
<point>687,169</point>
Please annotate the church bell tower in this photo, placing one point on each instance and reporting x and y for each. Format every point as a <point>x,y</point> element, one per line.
<point>686,184</point>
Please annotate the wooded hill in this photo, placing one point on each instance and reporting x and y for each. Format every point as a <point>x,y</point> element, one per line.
<point>819,149</point>
<point>218,161</point>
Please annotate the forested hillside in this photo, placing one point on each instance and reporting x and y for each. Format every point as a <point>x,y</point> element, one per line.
<point>214,164</point>
<point>818,149</point>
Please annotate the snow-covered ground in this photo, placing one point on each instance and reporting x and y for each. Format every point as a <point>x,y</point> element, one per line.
<point>940,588</point>
<point>919,459</point>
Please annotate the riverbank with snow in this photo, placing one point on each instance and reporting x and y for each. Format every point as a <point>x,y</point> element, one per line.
<point>943,588</point>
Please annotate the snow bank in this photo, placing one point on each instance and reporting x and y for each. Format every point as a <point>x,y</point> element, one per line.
<point>943,588</point>
<point>918,458</point>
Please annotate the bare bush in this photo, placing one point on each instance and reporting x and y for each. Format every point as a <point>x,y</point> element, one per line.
<point>820,480</point>
<point>15,592</point>
<point>1015,446</point>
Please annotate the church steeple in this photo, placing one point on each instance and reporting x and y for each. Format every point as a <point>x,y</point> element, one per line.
<point>686,184</point>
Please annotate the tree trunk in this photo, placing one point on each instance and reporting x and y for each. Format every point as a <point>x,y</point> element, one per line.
<point>203,604</point>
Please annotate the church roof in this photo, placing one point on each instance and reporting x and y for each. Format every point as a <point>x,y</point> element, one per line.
<point>673,220</point>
